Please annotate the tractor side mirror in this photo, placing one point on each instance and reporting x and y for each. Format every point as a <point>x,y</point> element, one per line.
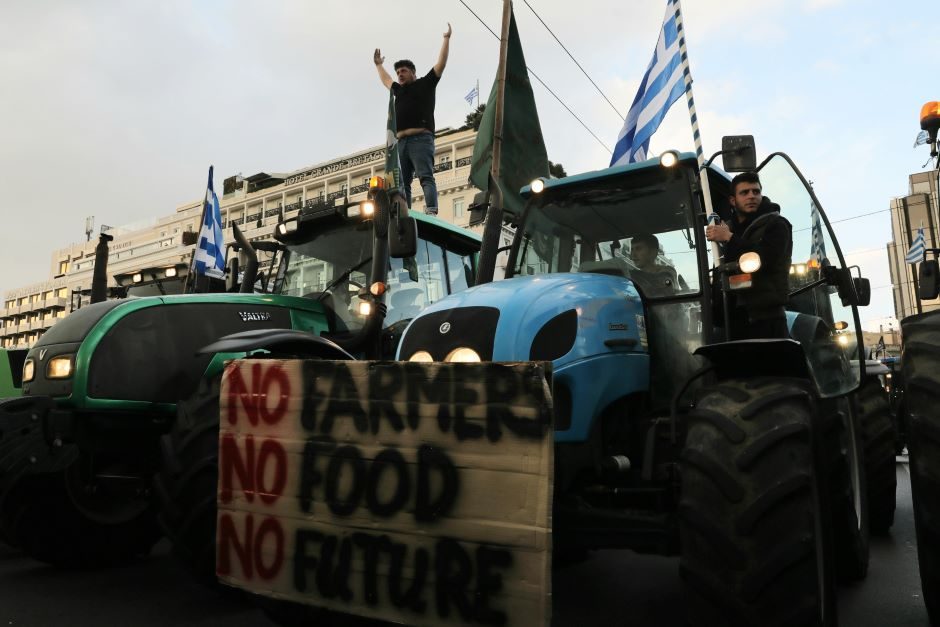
<point>928,277</point>
<point>739,153</point>
<point>862,291</point>
<point>481,203</point>
<point>403,238</point>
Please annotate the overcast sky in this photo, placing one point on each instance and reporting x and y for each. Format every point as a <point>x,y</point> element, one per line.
<point>116,109</point>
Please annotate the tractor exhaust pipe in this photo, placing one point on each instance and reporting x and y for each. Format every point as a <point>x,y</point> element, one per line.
<point>251,267</point>
<point>99,279</point>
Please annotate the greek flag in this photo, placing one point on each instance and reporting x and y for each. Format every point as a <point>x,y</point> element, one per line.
<point>661,86</point>
<point>473,94</point>
<point>210,252</point>
<point>918,246</point>
<point>818,252</point>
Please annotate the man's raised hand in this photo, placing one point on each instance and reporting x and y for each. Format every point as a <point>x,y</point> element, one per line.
<point>378,58</point>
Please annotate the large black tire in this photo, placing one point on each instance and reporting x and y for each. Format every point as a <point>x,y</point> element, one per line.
<point>920,363</point>
<point>754,526</point>
<point>186,484</point>
<point>845,461</point>
<point>48,520</point>
<point>879,435</point>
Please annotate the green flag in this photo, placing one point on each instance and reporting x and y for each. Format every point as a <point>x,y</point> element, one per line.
<point>523,157</point>
<point>393,180</point>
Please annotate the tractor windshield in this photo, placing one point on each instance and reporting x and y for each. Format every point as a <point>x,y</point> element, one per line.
<point>638,226</point>
<point>331,267</point>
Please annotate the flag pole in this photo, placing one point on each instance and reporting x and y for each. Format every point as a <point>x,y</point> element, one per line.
<point>478,93</point>
<point>493,226</point>
<point>693,116</point>
<point>500,91</point>
<point>191,276</point>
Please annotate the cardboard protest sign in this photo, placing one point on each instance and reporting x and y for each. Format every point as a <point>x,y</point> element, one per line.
<point>419,493</point>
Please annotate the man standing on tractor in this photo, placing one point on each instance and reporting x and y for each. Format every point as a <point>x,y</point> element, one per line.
<point>757,227</point>
<point>414,119</point>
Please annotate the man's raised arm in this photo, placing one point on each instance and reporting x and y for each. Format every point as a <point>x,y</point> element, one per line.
<point>383,75</point>
<point>445,50</point>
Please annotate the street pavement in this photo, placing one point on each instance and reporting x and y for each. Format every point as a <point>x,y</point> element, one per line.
<point>610,588</point>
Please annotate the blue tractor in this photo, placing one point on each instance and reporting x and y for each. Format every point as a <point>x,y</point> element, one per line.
<point>744,458</point>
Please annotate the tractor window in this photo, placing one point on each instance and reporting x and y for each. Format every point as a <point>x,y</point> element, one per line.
<point>415,283</point>
<point>459,271</point>
<point>818,319</point>
<point>639,227</point>
<point>332,267</point>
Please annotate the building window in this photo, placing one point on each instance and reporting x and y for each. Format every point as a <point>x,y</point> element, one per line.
<point>63,267</point>
<point>458,207</point>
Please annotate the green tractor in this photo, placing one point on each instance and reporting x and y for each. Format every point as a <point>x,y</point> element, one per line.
<point>101,389</point>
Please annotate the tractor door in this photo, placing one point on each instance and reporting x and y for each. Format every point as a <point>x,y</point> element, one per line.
<point>821,311</point>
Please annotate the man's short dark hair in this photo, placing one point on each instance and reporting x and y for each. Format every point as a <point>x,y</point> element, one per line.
<point>646,238</point>
<point>404,63</point>
<point>744,177</point>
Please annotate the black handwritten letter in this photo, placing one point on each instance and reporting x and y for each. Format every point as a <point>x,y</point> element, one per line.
<point>345,456</point>
<point>382,389</point>
<point>426,508</point>
<point>453,571</point>
<point>395,462</point>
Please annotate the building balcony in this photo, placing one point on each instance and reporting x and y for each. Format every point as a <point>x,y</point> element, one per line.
<point>253,217</point>
<point>443,166</point>
<point>358,189</point>
<point>52,303</point>
<point>272,212</point>
<point>464,161</point>
<point>334,195</point>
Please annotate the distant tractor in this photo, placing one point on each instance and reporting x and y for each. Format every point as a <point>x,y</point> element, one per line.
<point>102,387</point>
<point>920,369</point>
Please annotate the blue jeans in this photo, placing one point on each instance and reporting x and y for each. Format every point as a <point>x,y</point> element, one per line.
<point>416,153</point>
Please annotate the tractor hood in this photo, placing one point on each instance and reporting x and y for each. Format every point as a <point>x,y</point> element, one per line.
<point>557,317</point>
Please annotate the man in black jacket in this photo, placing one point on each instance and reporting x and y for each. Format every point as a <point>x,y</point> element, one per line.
<point>757,227</point>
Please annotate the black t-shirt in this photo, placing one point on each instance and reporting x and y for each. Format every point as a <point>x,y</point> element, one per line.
<point>414,102</point>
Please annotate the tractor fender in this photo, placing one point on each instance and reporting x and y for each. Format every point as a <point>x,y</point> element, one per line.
<point>32,440</point>
<point>289,341</point>
<point>757,358</point>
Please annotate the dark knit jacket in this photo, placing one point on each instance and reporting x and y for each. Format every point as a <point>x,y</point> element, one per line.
<point>768,234</point>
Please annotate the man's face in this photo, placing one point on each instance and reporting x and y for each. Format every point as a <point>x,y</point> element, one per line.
<point>405,75</point>
<point>642,254</point>
<point>747,197</point>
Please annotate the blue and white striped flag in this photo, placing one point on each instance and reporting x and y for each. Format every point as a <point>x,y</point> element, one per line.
<point>818,252</point>
<point>918,246</point>
<point>210,252</point>
<point>661,86</point>
<point>473,94</point>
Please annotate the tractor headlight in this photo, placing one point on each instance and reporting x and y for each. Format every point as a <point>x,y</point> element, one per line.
<point>669,158</point>
<point>749,262</point>
<point>462,354</point>
<point>288,226</point>
<point>537,186</point>
<point>29,370</point>
<point>421,356</point>
<point>60,367</point>
<point>365,308</point>
<point>843,340</point>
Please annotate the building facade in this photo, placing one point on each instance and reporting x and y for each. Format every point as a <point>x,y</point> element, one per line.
<point>160,249</point>
<point>908,214</point>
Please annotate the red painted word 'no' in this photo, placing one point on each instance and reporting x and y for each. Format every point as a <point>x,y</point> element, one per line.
<point>255,402</point>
